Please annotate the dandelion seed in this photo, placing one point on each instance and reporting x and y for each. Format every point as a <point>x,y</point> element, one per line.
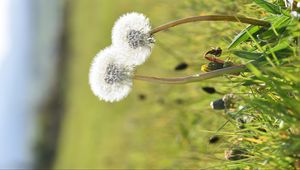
<point>110,79</point>
<point>131,33</point>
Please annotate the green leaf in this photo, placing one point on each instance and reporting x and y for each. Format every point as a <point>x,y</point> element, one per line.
<point>279,21</point>
<point>254,70</point>
<point>247,55</point>
<point>268,6</point>
<point>269,35</point>
<point>281,50</point>
<point>278,26</point>
<point>281,46</point>
<point>243,35</point>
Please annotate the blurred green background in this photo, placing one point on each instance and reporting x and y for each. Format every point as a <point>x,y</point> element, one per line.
<point>156,126</point>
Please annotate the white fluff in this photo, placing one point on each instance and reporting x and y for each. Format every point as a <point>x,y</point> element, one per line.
<point>110,79</point>
<point>295,14</point>
<point>288,3</point>
<point>131,34</point>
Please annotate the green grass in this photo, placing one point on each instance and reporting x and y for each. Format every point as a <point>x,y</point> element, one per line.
<point>159,132</point>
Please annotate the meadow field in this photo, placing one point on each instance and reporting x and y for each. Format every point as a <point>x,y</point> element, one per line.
<point>169,126</point>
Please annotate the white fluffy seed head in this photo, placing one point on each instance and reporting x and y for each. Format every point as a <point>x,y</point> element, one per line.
<point>110,78</point>
<point>131,33</point>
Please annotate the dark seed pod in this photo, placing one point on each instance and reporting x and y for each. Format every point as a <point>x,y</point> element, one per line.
<point>179,101</point>
<point>218,104</point>
<point>262,130</point>
<point>209,90</point>
<point>235,154</point>
<point>216,52</point>
<point>241,127</point>
<point>213,139</point>
<point>214,66</point>
<point>181,66</point>
<point>142,96</point>
<point>227,64</point>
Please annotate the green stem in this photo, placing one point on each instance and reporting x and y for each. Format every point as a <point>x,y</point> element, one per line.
<point>209,18</point>
<point>192,78</point>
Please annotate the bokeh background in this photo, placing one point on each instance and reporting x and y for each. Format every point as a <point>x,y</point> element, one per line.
<point>49,117</point>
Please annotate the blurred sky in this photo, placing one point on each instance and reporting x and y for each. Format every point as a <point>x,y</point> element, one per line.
<point>29,32</point>
<point>4,29</point>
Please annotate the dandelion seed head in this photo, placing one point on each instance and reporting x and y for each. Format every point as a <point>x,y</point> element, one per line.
<point>115,74</point>
<point>110,79</point>
<point>131,33</point>
<point>137,39</point>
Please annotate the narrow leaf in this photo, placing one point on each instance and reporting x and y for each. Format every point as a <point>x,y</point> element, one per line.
<point>268,6</point>
<point>281,21</point>
<point>243,35</point>
<point>282,45</point>
<point>254,70</point>
<point>247,55</point>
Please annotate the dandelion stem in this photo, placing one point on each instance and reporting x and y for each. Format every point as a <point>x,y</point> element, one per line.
<point>192,78</point>
<point>230,18</point>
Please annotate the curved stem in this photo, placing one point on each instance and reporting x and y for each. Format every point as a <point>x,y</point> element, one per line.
<point>209,18</point>
<point>192,78</point>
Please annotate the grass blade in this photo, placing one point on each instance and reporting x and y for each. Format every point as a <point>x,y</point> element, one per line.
<point>268,6</point>
<point>247,55</point>
<point>243,36</point>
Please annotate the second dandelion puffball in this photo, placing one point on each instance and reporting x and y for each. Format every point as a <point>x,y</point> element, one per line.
<point>131,34</point>
<point>110,78</point>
